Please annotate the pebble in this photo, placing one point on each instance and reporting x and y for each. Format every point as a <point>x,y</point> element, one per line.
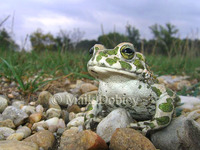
<point>44,139</point>
<point>118,118</point>
<point>5,79</point>
<point>74,108</point>
<point>52,122</point>
<point>6,85</point>
<point>3,103</point>
<point>53,112</point>
<point>16,115</point>
<point>75,88</point>
<point>28,109</point>
<point>182,133</point>
<point>83,109</point>
<point>72,86</point>
<point>21,145</point>
<point>5,132</point>
<point>18,104</point>
<point>13,84</point>
<point>88,87</point>
<point>39,109</point>
<point>32,103</point>
<point>42,125</point>
<point>189,103</point>
<point>55,123</point>
<point>130,139</point>
<point>87,140</point>
<point>16,136</point>
<point>76,122</point>
<point>175,82</point>
<point>7,123</point>
<point>168,79</point>
<point>67,82</point>
<point>25,130</point>
<point>61,123</point>
<point>60,131</point>
<point>62,99</point>
<point>72,115</point>
<point>15,93</point>
<point>43,99</point>
<point>180,85</point>
<point>11,96</point>
<point>35,117</point>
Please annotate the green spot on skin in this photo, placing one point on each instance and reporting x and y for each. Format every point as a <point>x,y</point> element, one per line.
<point>113,51</point>
<point>116,58</point>
<point>125,65</point>
<point>152,125</point>
<point>103,54</point>
<point>91,115</point>
<point>138,64</point>
<point>169,92</point>
<point>163,120</point>
<point>140,56</point>
<point>96,48</point>
<point>85,118</point>
<point>89,107</point>
<point>98,58</point>
<point>178,111</point>
<point>169,100</point>
<point>157,91</point>
<point>139,86</point>
<point>177,99</point>
<point>167,107</point>
<point>110,61</point>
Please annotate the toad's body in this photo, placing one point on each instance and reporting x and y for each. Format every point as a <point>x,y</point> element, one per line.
<point>140,106</point>
<point>125,81</point>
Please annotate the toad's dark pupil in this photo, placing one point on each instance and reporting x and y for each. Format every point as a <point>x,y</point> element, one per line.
<point>91,50</point>
<point>128,51</point>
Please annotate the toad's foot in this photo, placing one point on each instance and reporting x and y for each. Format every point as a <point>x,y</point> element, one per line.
<point>144,126</point>
<point>91,123</point>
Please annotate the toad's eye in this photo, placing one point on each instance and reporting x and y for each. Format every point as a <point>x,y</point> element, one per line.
<point>91,51</point>
<point>127,52</point>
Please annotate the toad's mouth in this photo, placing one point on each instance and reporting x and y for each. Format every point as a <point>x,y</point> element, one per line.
<point>104,72</point>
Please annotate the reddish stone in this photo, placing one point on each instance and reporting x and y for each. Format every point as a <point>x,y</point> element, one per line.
<point>87,140</point>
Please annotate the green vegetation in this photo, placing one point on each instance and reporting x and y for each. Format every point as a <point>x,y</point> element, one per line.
<point>48,62</point>
<point>21,66</point>
<point>54,63</point>
<point>175,66</point>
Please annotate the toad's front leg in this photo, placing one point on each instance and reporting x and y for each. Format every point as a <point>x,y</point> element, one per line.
<point>163,115</point>
<point>91,116</point>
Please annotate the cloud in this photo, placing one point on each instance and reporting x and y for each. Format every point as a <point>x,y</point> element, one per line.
<point>49,21</point>
<point>88,15</point>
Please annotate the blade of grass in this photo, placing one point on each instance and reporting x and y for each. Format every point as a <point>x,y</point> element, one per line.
<point>16,76</point>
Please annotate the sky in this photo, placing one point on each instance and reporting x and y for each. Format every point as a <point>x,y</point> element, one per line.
<point>89,15</point>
